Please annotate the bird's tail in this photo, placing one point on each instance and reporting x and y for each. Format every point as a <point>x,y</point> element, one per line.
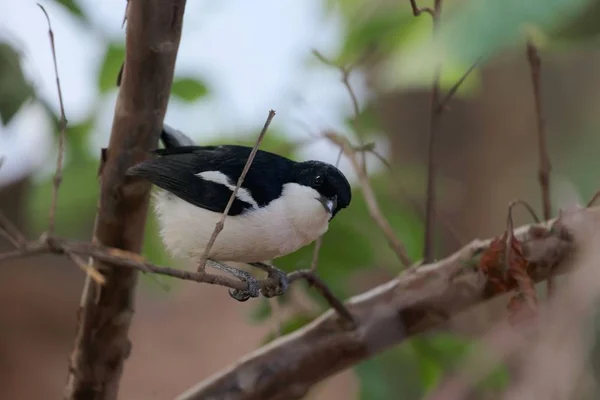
<point>171,137</point>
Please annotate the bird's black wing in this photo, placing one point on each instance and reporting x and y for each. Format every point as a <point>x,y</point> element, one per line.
<point>176,169</point>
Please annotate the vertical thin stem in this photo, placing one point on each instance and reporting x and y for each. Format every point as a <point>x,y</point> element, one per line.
<point>431,159</point>
<point>544,158</point>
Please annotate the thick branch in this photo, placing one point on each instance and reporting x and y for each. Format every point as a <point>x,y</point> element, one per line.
<point>421,299</point>
<point>101,344</point>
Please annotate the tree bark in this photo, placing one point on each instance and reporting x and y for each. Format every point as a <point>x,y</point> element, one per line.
<point>105,314</point>
<point>421,300</point>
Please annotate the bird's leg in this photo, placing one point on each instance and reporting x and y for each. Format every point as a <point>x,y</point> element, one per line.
<point>252,282</point>
<point>274,273</point>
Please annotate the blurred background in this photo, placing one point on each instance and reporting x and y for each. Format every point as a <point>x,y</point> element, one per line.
<point>237,60</point>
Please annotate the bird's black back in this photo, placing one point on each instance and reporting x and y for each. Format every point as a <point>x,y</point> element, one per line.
<point>176,167</point>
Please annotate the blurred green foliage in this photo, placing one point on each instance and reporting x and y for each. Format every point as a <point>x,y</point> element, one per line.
<point>14,88</point>
<point>406,53</point>
<point>114,56</point>
<point>188,89</point>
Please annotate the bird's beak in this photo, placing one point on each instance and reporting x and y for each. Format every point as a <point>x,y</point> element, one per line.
<point>330,204</point>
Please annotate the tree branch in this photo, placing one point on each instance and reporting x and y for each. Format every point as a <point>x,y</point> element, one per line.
<point>423,298</point>
<point>102,344</point>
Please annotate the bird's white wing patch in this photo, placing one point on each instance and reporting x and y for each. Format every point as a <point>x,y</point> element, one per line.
<point>220,178</point>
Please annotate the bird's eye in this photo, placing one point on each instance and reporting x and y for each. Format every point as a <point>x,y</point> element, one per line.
<point>318,180</point>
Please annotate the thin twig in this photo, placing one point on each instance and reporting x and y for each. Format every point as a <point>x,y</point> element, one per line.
<point>371,199</point>
<point>324,290</point>
<point>434,117</point>
<point>315,258</point>
<point>219,225</point>
<point>593,200</point>
<point>88,268</point>
<point>528,207</point>
<point>510,228</point>
<point>345,72</point>
<point>57,179</point>
<point>127,259</point>
<point>418,11</point>
<point>9,238</point>
<point>544,159</point>
<point>444,102</point>
<point>12,230</point>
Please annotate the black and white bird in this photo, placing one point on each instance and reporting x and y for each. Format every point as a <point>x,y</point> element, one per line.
<point>281,206</point>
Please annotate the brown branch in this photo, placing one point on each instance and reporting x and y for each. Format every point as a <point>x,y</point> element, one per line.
<point>544,159</point>
<point>219,225</point>
<point>371,199</point>
<point>129,260</point>
<point>101,344</point>
<point>62,126</point>
<point>422,299</point>
<point>434,117</point>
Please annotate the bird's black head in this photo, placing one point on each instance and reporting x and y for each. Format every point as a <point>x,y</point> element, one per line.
<point>326,179</point>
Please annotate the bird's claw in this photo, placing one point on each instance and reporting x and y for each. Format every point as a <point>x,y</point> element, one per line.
<point>244,294</point>
<point>281,285</point>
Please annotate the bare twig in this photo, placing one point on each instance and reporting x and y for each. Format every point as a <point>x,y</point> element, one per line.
<point>430,205</point>
<point>527,207</point>
<point>444,102</point>
<point>593,199</point>
<point>9,238</point>
<point>544,167</point>
<point>371,200</point>
<point>323,289</point>
<point>16,236</point>
<point>88,268</point>
<point>126,259</point>
<point>419,300</point>
<point>219,225</point>
<point>57,179</point>
<point>418,11</point>
<point>345,72</point>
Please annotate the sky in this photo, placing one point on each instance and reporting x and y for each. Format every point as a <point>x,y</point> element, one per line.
<point>254,56</point>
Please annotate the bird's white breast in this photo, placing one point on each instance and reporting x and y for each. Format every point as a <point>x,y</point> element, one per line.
<point>286,224</point>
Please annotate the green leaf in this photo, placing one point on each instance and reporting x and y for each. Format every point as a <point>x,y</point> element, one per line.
<point>386,28</point>
<point>14,89</point>
<point>390,375</point>
<point>476,28</point>
<point>73,7</point>
<point>188,89</point>
<point>416,367</point>
<point>114,56</point>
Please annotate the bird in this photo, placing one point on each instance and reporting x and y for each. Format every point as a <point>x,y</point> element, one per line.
<point>281,206</point>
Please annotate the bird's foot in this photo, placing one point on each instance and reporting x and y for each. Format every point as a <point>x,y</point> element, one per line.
<point>274,275</point>
<point>253,286</point>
